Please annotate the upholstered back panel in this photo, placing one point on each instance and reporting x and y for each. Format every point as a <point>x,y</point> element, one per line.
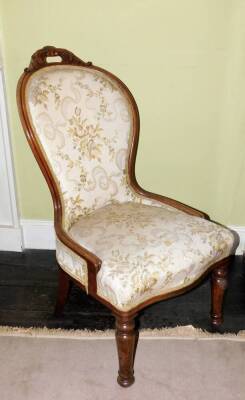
<point>83,121</point>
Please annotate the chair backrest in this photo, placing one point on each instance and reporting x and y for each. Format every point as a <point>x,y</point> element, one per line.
<point>82,124</point>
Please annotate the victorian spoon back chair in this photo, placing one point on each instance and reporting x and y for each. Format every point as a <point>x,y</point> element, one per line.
<point>123,245</point>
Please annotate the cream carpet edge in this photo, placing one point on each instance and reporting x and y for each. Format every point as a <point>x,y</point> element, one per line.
<point>179,332</point>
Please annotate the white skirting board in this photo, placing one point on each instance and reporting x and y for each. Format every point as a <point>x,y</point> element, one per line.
<point>241,232</point>
<point>10,238</point>
<point>39,234</point>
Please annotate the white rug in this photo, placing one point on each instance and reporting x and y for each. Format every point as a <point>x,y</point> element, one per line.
<point>175,364</point>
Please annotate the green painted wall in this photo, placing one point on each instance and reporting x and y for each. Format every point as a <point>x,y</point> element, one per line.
<point>185,63</point>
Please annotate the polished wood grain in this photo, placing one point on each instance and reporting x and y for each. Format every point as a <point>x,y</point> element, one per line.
<point>219,283</point>
<point>124,319</point>
<point>126,338</point>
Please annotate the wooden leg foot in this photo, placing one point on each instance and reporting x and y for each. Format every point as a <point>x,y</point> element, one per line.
<point>219,284</point>
<point>63,291</point>
<point>126,337</point>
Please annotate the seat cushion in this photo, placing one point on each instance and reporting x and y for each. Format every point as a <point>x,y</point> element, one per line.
<point>145,250</point>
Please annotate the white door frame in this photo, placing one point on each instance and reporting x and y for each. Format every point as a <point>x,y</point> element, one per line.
<point>10,232</point>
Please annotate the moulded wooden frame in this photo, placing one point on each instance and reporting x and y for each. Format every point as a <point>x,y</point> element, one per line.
<point>126,334</point>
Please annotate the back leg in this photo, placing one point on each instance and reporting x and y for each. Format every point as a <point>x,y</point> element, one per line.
<point>219,283</point>
<point>64,286</point>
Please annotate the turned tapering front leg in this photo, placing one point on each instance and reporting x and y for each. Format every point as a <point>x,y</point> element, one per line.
<point>126,337</point>
<point>219,284</point>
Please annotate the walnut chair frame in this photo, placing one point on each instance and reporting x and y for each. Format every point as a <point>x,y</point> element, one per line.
<point>126,332</point>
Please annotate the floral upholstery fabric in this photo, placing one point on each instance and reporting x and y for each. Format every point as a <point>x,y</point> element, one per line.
<point>147,250</point>
<point>83,121</point>
<point>73,264</point>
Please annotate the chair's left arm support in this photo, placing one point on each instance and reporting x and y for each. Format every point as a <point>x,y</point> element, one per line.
<point>92,261</point>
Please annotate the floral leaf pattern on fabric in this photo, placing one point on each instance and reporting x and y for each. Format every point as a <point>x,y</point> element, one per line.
<point>83,121</point>
<point>148,250</point>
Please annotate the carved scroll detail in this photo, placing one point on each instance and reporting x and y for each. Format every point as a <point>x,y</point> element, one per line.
<point>39,58</point>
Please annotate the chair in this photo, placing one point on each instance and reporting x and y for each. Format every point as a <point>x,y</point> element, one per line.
<point>123,245</point>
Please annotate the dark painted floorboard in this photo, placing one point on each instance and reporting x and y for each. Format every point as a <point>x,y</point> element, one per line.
<point>28,285</point>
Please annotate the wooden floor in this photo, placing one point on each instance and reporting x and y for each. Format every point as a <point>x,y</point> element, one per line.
<point>28,285</point>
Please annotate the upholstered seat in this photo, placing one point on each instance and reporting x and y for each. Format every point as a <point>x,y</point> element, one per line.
<point>125,246</point>
<point>145,251</point>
